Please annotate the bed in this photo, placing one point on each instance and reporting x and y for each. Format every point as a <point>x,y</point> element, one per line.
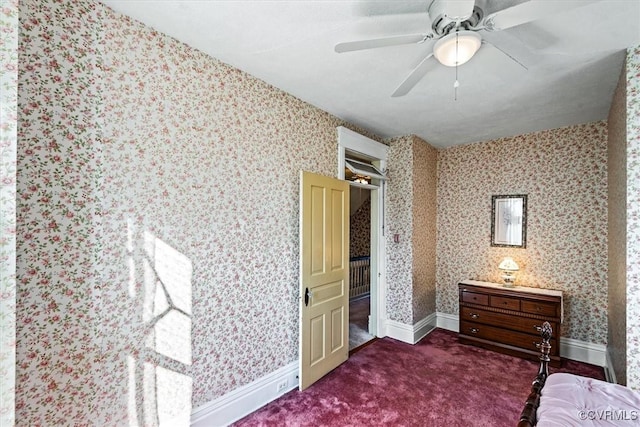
<point>570,400</point>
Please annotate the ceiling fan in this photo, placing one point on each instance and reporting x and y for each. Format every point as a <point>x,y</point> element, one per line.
<point>455,32</point>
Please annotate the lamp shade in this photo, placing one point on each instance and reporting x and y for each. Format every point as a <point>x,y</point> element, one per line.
<point>508,264</point>
<point>446,51</point>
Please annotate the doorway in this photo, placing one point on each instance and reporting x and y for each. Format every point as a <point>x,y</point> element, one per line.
<point>359,267</point>
<point>361,157</point>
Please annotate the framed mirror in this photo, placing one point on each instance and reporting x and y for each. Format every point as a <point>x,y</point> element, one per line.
<point>509,221</point>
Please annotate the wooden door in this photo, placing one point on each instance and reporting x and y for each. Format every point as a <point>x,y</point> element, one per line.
<point>324,276</point>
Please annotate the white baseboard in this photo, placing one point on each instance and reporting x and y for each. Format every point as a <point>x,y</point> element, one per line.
<point>448,322</point>
<point>423,327</point>
<point>399,331</point>
<point>411,334</point>
<point>609,371</point>
<point>244,400</point>
<point>580,351</point>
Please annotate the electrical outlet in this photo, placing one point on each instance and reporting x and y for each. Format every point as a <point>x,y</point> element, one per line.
<point>282,385</point>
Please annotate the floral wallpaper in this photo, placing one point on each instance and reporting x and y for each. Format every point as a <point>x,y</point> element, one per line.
<point>360,229</point>
<point>411,214</point>
<point>8,144</point>
<point>425,170</point>
<point>617,229</point>
<point>398,213</point>
<point>633,218</point>
<point>59,361</point>
<point>564,173</point>
<point>156,272</point>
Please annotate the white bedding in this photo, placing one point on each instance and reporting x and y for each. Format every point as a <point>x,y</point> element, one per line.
<point>571,400</point>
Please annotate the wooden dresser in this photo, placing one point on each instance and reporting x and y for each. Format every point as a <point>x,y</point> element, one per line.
<point>507,319</point>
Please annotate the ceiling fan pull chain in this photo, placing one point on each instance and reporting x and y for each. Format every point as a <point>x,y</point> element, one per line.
<point>456,83</point>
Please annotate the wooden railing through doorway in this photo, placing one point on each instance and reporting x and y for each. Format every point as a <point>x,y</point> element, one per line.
<point>359,276</point>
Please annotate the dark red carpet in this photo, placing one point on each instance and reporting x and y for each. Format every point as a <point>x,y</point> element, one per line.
<point>437,382</point>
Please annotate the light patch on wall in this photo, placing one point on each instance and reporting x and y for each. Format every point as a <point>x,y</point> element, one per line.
<point>174,397</point>
<point>173,337</point>
<point>160,303</point>
<point>174,271</point>
<point>164,394</point>
<point>167,278</point>
<point>171,273</point>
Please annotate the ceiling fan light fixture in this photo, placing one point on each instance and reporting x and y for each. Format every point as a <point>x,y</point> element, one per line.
<point>446,51</point>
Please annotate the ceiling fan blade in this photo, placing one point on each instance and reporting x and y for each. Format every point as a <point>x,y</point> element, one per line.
<point>412,79</point>
<point>487,43</point>
<point>458,10</point>
<point>530,11</point>
<point>384,42</point>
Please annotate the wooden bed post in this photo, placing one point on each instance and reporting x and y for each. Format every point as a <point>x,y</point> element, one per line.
<point>528,416</point>
<point>545,348</point>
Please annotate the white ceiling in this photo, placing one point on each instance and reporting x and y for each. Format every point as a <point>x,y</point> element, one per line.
<point>573,59</point>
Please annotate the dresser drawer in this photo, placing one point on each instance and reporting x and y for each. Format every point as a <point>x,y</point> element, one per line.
<point>504,336</point>
<point>507,321</point>
<point>474,298</point>
<point>541,308</point>
<point>504,302</point>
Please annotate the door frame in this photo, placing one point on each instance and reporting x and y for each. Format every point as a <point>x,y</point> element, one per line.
<point>352,141</point>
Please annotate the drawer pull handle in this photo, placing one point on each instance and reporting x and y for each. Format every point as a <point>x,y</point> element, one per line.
<point>474,330</point>
<point>537,328</point>
<point>537,344</point>
<point>464,289</point>
<point>474,315</point>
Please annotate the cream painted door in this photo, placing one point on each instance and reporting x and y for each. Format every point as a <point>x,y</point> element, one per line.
<point>324,275</point>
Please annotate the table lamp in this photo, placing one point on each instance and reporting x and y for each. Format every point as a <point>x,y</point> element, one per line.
<point>509,267</point>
